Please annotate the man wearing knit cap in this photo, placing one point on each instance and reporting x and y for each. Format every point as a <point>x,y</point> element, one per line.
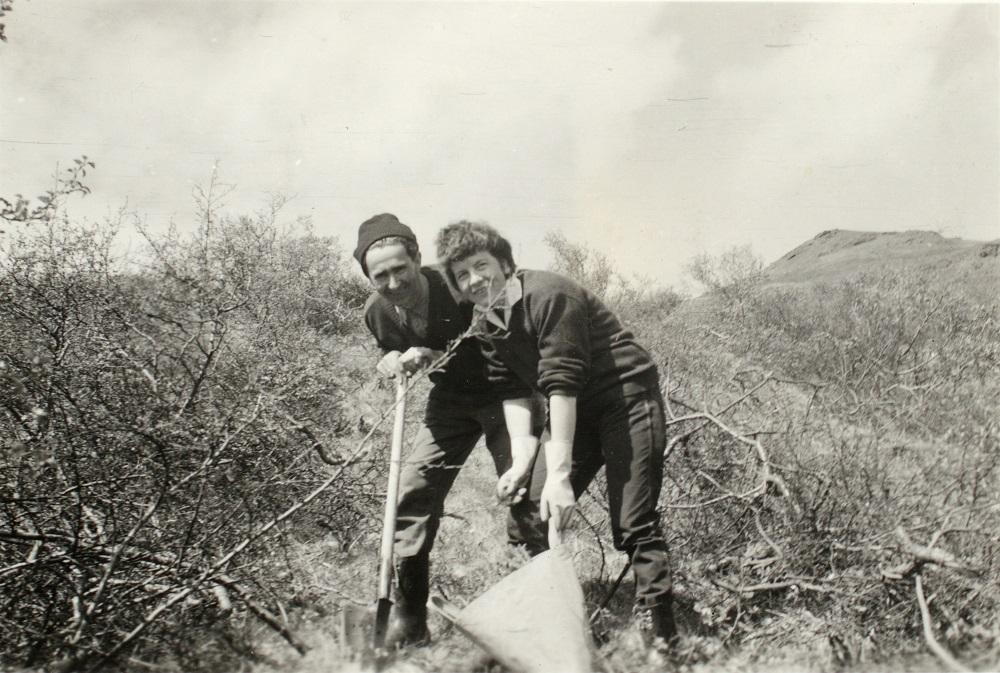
<point>415,318</point>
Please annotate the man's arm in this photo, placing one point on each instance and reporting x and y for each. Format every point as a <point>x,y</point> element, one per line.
<point>399,356</point>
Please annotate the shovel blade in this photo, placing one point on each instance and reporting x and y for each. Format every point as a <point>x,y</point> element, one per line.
<point>383,608</point>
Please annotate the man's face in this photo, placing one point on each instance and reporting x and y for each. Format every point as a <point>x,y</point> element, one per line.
<point>394,275</point>
<point>480,278</point>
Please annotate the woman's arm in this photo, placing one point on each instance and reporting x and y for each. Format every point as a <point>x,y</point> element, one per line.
<point>523,447</point>
<point>558,500</point>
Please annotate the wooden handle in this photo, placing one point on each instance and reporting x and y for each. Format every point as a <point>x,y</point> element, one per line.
<point>392,493</point>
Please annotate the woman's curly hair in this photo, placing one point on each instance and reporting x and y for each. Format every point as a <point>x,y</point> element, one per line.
<point>462,239</point>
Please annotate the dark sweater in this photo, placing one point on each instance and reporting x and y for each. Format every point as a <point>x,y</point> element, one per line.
<point>465,372</point>
<point>562,339</point>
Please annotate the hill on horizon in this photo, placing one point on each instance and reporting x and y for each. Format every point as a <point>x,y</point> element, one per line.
<point>839,254</point>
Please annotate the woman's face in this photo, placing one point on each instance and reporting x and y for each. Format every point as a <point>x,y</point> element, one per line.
<point>480,278</point>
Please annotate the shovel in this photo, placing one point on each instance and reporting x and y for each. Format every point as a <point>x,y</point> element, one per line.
<point>384,602</point>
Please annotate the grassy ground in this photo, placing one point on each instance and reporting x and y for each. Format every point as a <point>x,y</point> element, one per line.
<point>471,556</point>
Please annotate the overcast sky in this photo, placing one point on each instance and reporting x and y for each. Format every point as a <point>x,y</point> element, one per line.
<point>652,131</point>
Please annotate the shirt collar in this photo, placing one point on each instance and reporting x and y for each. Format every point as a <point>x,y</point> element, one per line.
<point>499,313</point>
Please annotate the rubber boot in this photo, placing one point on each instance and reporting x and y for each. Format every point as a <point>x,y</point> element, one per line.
<point>662,624</point>
<point>409,625</point>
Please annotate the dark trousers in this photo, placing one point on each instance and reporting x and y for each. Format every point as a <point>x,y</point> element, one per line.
<point>627,435</point>
<point>452,428</point>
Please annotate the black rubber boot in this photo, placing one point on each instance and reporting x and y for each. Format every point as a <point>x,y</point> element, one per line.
<point>662,624</point>
<point>409,625</point>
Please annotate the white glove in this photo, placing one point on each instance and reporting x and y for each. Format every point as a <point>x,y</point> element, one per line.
<point>558,501</point>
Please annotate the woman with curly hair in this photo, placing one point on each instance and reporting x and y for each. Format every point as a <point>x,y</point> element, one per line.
<point>541,331</point>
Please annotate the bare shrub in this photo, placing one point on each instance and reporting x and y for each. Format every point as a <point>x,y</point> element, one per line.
<point>732,274</point>
<point>159,426</point>
<point>592,269</point>
<point>831,446</point>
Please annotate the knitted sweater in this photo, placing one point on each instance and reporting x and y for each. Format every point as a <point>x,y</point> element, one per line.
<point>465,373</point>
<point>562,339</point>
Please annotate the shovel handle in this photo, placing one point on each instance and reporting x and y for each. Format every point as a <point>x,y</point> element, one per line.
<point>391,496</point>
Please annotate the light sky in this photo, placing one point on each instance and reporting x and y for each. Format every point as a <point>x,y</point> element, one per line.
<point>650,131</point>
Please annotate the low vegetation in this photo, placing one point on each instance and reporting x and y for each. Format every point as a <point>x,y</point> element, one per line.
<point>833,471</point>
<point>191,460</point>
<point>160,424</point>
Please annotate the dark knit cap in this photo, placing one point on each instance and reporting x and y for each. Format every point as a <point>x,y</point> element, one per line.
<point>376,228</point>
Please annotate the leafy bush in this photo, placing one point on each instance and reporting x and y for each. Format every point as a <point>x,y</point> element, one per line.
<point>67,182</point>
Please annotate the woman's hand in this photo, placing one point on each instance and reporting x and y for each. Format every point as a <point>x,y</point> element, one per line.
<point>511,486</point>
<point>558,500</point>
<point>558,504</point>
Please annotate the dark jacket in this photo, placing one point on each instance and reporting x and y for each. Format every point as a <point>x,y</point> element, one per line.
<point>562,339</point>
<point>465,373</point>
